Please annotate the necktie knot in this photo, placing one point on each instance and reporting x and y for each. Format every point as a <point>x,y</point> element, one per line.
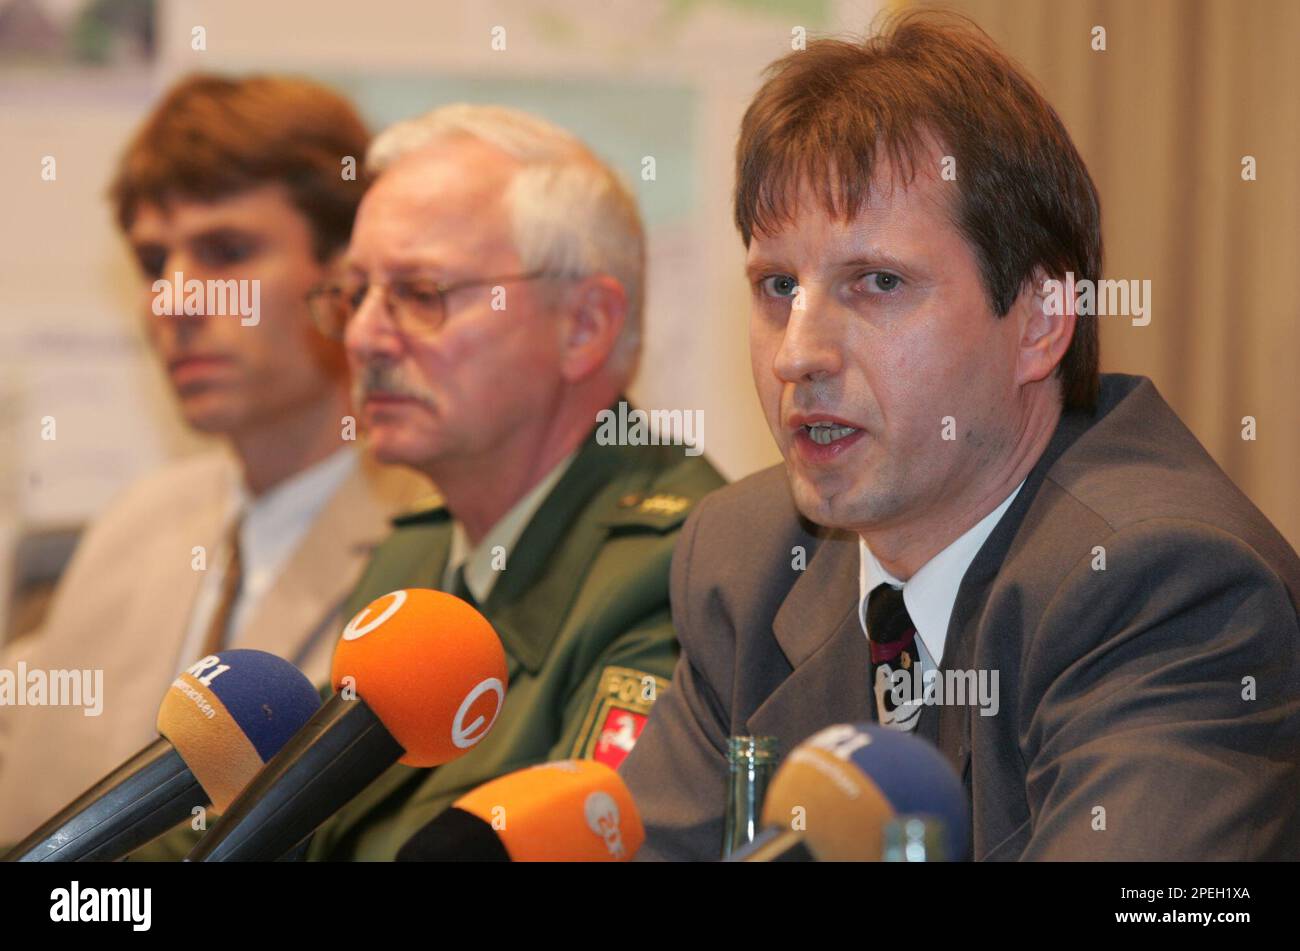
<point>889,627</point>
<point>892,638</point>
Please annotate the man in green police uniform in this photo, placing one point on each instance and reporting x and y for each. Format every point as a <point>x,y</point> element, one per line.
<point>491,308</point>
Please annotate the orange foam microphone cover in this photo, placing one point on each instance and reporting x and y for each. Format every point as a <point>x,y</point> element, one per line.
<point>565,811</point>
<point>431,668</point>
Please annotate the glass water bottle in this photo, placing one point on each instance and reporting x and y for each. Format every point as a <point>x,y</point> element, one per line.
<point>751,760</point>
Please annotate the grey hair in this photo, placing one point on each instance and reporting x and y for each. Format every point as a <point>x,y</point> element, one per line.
<point>570,212</point>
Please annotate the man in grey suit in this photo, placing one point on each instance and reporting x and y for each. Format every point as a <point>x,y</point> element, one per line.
<point>964,500</point>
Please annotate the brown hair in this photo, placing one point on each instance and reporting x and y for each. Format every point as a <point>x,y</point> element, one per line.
<point>1025,199</point>
<point>212,137</point>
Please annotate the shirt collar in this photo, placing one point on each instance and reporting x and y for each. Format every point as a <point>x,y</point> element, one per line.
<point>280,517</point>
<point>481,572</point>
<point>931,592</point>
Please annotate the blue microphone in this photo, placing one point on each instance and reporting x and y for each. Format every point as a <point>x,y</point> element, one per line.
<point>220,721</point>
<point>837,793</point>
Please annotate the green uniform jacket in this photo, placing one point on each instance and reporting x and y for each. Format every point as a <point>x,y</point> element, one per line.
<point>582,610</point>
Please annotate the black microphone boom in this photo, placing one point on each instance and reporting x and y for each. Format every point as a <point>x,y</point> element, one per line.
<point>455,836</point>
<point>146,796</point>
<point>340,751</point>
<point>775,845</point>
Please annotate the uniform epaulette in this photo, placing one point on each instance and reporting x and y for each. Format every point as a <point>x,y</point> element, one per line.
<point>660,511</point>
<point>429,508</point>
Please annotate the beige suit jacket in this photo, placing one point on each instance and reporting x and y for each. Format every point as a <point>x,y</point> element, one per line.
<point>125,601</point>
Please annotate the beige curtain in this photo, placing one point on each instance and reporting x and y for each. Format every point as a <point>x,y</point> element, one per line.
<point>1164,116</point>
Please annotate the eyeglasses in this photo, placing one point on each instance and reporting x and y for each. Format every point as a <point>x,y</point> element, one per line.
<point>417,305</point>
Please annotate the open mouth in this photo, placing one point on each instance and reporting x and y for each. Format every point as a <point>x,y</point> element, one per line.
<point>819,441</point>
<point>823,434</point>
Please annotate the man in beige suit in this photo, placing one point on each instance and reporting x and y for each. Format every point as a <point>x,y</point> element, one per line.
<point>242,186</point>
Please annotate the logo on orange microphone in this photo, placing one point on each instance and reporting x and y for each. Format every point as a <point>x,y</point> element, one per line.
<point>363,624</point>
<point>602,818</point>
<point>465,735</point>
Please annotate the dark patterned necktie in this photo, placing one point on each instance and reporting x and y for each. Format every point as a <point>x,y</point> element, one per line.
<point>892,637</point>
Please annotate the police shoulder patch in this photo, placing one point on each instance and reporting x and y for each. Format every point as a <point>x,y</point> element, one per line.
<point>617,715</point>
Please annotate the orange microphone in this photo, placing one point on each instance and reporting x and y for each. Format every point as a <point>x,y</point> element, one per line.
<point>567,811</point>
<point>420,678</point>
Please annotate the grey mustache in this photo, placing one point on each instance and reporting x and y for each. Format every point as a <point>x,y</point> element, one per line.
<point>377,378</point>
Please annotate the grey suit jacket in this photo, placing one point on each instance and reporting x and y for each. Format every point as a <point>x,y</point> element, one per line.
<point>1150,710</point>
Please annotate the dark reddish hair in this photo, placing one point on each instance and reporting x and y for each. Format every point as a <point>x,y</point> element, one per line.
<point>212,137</point>
<point>1024,199</point>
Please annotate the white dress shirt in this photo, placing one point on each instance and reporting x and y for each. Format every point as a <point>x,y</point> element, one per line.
<point>273,525</point>
<point>481,563</point>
